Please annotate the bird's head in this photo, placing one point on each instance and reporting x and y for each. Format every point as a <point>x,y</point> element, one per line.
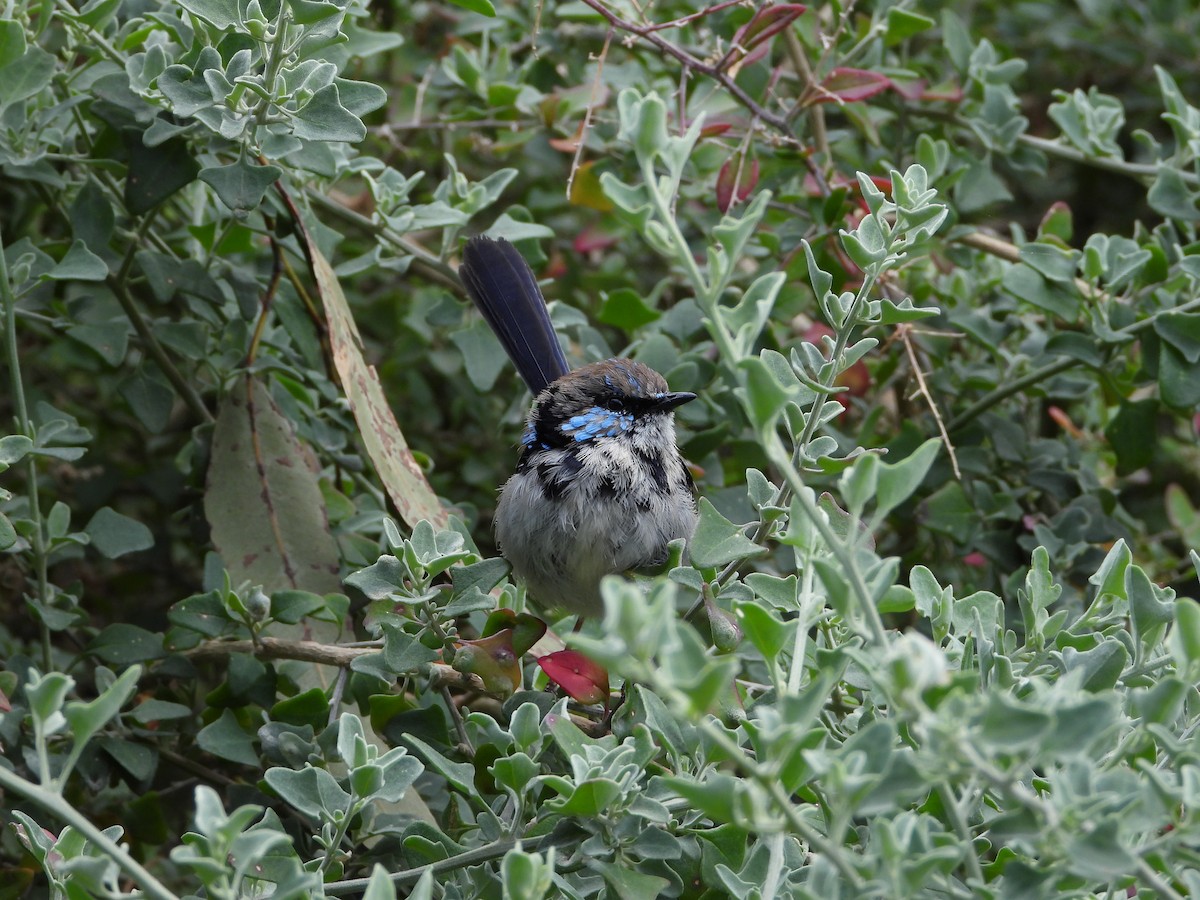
<point>615,399</point>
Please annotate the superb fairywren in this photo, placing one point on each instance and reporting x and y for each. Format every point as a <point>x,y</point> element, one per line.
<point>600,485</point>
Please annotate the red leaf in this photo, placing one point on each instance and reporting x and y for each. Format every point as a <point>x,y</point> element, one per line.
<point>712,129</point>
<point>492,659</point>
<point>593,238</point>
<point>728,190</point>
<point>753,39</point>
<point>975,559</point>
<point>766,23</point>
<point>850,85</point>
<point>582,679</point>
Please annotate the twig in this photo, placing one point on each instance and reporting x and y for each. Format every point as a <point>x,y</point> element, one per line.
<point>795,52</point>
<point>474,857</point>
<point>182,386</point>
<point>904,331</point>
<point>441,674</point>
<point>691,17</point>
<point>650,33</point>
<point>587,113</point>
<point>1040,374</point>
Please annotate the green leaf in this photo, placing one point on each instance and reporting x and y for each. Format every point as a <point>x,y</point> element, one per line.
<point>12,42</point>
<point>1052,262</point>
<point>949,511</point>
<point>115,535</point>
<point>80,264</point>
<point>904,311</point>
<point>1152,608</point>
<point>380,886</point>
<point>309,12</point>
<point>626,309</point>
<point>150,397</point>
<point>1024,283</point>
<point>898,481</point>
<point>718,541</point>
<point>289,606</point>
<point>309,707</point>
<point>26,76</point>
<point>324,118</point>
<point>159,711</point>
<point>1178,380</point>
<point>461,776</point>
<point>1131,434</point>
<point>1171,197</point>
<point>483,7</point>
<point>1181,331</point>
<point>138,760</point>
<point>109,340</point>
<point>224,14</point>
<point>404,652</point>
<point>767,632</point>
<point>241,185</point>
<point>1100,667</point>
<point>1184,640</point>
<point>86,719</point>
<point>227,739</point>
<point>628,883</point>
<point>13,448</point>
<point>155,173</point>
<point>482,354</point>
<point>1008,725</point>
<point>8,532</point>
<point>124,644</point>
<point>46,694</point>
<point>903,24</point>
<point>312,791</point>
<point>763,396</point>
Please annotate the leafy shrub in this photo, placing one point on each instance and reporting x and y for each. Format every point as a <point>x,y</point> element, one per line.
<point>928,636</point>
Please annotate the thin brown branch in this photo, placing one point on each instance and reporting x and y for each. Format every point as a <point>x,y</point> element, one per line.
<point>691,17</point>
<point>1010,252</point>
<point>650,33</point>
<point>586,125</point>
<point>904,332</point>
<point>441,675</point>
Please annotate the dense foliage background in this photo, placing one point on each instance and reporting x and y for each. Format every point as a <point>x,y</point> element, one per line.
<point>933,274</point>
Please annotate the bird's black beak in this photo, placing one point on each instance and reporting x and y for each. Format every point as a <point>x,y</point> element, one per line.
<point>670,401</point>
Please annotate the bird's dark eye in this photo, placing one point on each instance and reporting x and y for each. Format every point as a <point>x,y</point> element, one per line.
<point>615,403</point>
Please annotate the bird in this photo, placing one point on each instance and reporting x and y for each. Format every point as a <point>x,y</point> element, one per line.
<point>600,485</point>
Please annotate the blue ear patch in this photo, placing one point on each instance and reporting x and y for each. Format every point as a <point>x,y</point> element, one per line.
<point>597,422</point>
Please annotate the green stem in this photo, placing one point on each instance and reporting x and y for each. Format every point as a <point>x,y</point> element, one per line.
<point>707,295</point>
<point>494,850</point>
<point>959,824</point>
<point>428,263</point>
<point>842,550</point>
<point>58,807</point>
<point>1133,170</point>
<point>185,390</point>
<point>770,783</point>
<point>979,407</point>
<point>274,62</point>
<point>38,538</point>
<point>987,401</point>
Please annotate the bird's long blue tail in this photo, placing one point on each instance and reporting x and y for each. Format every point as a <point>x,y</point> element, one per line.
<point>506,292</point>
